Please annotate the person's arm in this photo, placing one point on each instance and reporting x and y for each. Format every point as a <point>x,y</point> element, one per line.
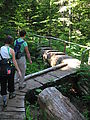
<point>15,62</point>
<point>28,54</point>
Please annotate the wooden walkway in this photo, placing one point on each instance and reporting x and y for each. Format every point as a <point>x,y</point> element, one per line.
<point>15,109</point>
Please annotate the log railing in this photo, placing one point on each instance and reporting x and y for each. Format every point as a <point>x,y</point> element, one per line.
<point>49,38</point>
<point>83,54</point>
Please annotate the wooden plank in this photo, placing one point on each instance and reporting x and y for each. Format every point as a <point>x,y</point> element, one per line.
<point>49,77</point>
<point>42,80</point>
<point>17,102</point>
<point>14,109</point>
<point>12,119</point>
<point>18,92</point>
<point>31,84</point>
<point>60,73</point>
<point>12,115</point>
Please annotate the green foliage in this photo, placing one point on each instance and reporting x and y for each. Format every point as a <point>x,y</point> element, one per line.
<point>38,90</point>
<point>34,67</point>
<point>46,17</point>
<point>86,98</point>
<point>84,79</point>
<point>86,114</point>
<point>84,71</point>
<point>27,106</point>
<point>28,113</point>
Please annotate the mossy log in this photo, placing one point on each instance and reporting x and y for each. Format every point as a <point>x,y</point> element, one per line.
<point>56,106</point>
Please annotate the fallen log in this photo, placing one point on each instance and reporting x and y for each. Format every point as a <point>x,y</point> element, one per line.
<point>54,57</point>
<point>56,106</point>
<point>48,54</point>
<point>57,59</point>
<point>72,62</point>
<point>45,71</point>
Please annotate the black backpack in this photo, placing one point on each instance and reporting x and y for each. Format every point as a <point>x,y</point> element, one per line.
<point>17,47</point>
<point>6,67</point>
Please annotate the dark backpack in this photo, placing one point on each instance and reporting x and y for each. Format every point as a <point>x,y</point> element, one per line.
<point>6,67</point>
<point>17,47</point>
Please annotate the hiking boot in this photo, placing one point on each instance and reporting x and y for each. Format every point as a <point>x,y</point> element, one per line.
<point>12,95</point>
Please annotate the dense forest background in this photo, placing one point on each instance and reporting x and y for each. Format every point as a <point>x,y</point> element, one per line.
<point>65,19</point>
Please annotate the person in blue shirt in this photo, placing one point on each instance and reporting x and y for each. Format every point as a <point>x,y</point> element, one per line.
<point>22,60</point>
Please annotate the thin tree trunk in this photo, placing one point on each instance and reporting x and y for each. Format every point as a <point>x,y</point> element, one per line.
<point>70,21</point>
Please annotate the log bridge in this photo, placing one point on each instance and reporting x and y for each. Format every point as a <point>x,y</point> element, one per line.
<point>64,67</point>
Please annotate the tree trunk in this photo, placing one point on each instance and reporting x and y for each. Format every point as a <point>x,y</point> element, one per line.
<point>56,106</point>
<point>70,21</point>
<point>89,58</point>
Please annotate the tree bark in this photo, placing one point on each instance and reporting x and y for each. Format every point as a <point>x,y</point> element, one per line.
<point>56,106</point>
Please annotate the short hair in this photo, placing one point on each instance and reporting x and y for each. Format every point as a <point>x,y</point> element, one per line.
<point>9,39</point>
<point>22,33</point>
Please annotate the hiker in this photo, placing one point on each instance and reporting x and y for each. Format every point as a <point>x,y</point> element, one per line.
<point>8,65</point>
<point>21,47</point>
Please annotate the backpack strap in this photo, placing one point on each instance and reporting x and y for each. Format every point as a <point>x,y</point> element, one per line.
<point>1,56</point>
<point>9,52</point>
<point>19,43</point>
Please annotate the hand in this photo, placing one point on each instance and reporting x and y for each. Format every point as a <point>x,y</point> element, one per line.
<point>30,61</point>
